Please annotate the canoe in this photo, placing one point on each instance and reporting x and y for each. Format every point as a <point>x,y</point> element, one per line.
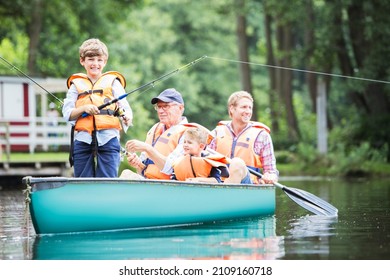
<point>66,205</point>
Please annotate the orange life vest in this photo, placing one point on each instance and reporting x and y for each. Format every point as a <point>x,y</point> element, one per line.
<point>191,167</point>
<point>243,146</point>
<point>97,94</point>
<point>164,142</point>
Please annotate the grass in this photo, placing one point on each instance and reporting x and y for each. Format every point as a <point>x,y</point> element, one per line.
<point>35,157</point>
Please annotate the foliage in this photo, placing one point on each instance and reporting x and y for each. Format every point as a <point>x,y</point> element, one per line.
<point>376,131</point>
<point>16,51</point>
<point>141,123</point>
<point>361,160</point>
<point>346,156</point>
<point>354,162</point>
<point>148,39</point>
<point>170,35</point>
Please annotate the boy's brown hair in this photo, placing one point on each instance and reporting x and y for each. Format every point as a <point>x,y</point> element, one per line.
<point>93,47</point>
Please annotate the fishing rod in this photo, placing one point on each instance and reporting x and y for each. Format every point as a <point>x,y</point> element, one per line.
<point>31,79</point>
<point>147,85</point>
<point>150,84</point>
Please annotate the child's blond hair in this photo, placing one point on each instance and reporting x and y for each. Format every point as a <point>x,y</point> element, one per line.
<point>198,134</point>
<point>93,47</point>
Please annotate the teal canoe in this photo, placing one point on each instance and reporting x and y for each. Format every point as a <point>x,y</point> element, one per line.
<point>66,205</point>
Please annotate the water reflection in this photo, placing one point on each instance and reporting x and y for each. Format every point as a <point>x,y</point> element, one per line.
<point>312,226</point>
<point>245,239</point>
<point>309,237</point>
<point>14,226</point>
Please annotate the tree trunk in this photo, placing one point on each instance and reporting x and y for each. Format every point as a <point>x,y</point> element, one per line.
<point>375,97</point>
<point>34,32</point>
<point>272,73</point>
<point>355,26</point>
<point>279,62</point>
<point>284,79</point>
<point>311,79</point>
<point>243,53</point>
<point>345,61</point>
<point>293,131</point>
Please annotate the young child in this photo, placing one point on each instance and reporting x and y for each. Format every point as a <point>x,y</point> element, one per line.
<point>96,132</point>
<point>198,165</point>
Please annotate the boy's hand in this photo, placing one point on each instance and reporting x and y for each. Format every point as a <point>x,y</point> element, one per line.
<point>127,119</point>
<point>91,109</point>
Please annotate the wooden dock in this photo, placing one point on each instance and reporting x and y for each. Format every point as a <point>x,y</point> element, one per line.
<point>38,168</point>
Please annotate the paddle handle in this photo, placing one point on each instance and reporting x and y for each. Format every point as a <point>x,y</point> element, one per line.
<point>258,174</point>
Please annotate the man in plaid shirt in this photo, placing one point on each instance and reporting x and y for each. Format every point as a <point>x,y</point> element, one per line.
<point>250,141</point>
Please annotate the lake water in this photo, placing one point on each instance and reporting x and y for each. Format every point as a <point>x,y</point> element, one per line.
<point>360,232</point>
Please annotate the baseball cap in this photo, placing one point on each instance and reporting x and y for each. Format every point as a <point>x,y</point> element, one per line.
<point>168,95</point>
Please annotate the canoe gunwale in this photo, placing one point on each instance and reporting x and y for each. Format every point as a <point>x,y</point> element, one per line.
<point>45,183</point>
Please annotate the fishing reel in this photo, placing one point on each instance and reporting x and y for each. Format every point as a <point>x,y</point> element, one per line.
<point>120,112</point>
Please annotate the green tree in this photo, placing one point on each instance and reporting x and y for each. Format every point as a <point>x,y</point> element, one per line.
<point>301,41</point>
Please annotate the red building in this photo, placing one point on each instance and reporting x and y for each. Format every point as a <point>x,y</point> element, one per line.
<point>24,125</point>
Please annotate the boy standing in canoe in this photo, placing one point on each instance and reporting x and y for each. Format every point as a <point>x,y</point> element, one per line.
<point>95,149</point>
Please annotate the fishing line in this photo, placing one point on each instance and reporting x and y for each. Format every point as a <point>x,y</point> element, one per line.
<point>150,84</point>
<point>299,70</point>
<point>164,77</point>
<point>31,79</point>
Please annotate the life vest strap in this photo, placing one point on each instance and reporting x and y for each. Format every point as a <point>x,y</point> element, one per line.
<point>91,91</point>
<point>107,112</point>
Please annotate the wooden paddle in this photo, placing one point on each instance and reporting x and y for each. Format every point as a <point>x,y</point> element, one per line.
<point>305,199</point>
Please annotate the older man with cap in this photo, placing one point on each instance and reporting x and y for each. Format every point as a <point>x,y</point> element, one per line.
<point>163,141</point>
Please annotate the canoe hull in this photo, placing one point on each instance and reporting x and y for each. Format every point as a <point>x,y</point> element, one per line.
<point>62,205</point>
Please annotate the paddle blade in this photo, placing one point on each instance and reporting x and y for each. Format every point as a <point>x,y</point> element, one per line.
<point>305,199</point>
<point>310,202</point>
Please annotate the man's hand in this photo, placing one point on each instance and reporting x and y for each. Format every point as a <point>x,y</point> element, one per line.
<point>268,178</point>
<point>134,160</point>
<point>133,146</point>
